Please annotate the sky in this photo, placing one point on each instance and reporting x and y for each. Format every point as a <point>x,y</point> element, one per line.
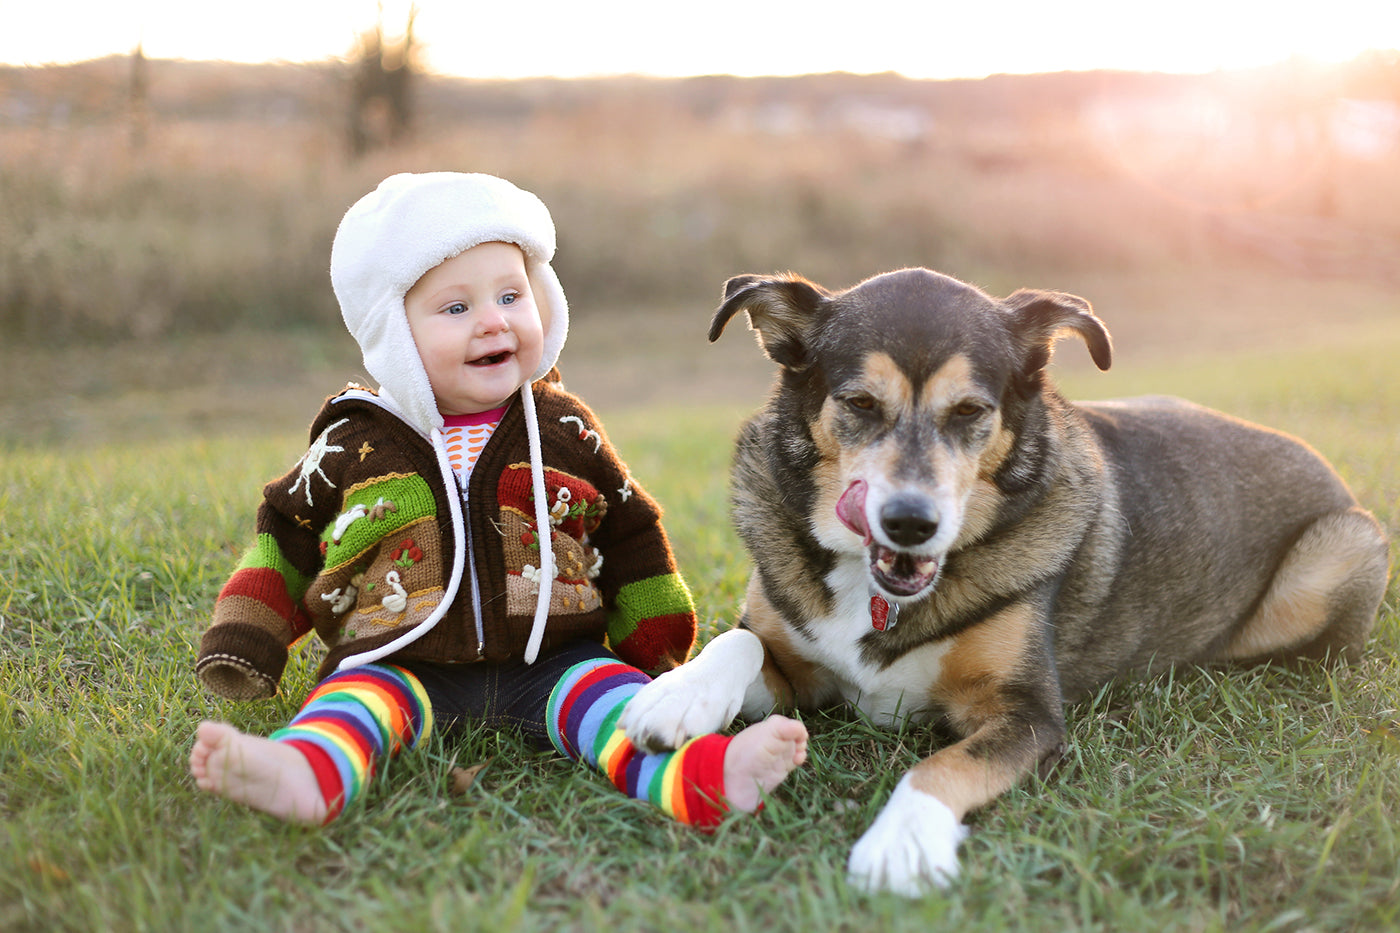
<point>572,38</point>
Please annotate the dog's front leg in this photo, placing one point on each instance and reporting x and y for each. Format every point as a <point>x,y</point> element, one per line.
<point>913,843</point>
<point>701,696</point>
<point>1009,728</point>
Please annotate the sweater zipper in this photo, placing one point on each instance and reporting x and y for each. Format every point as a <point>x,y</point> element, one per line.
<point>476,586</point>
<point>471,570</point>
<point>464,485</point>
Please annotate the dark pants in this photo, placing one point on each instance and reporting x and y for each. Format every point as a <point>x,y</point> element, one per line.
<point>500,695</point>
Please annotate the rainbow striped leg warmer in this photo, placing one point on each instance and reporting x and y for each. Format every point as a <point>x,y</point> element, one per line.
<point>688,783</point>
<point>352,719</point>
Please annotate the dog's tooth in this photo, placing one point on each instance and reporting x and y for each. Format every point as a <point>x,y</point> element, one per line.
<point>884,564</point>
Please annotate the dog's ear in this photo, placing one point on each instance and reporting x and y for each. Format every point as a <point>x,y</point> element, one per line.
<point>780,310</point>
<point>1042,316</point>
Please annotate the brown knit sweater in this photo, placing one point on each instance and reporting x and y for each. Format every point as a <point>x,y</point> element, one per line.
<point>358,542</point>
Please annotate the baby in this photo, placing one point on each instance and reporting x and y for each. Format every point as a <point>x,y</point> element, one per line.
<point>465,541</point>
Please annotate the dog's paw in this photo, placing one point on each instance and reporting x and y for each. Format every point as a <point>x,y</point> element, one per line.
<point>676,707</point>
<point>699,697</point>
<point>911,846</point>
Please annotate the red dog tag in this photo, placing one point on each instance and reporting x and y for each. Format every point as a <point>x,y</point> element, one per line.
<point>882,614</point>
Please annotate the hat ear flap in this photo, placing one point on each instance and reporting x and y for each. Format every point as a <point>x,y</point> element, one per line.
<point>554,313</point>
<point>781,310</point>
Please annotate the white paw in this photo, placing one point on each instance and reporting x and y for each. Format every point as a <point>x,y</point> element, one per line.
<point>912,845</point>
<point>701,696</point>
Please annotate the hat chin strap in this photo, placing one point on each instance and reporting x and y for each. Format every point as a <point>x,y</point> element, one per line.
<point>543,528</point>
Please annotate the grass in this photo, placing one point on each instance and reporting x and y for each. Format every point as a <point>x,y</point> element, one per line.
<point>1262,799</point>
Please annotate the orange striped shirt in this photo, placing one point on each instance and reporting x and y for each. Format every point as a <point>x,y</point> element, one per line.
<point>465,436</point>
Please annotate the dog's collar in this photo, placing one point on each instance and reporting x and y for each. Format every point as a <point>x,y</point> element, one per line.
<point>883,613</point>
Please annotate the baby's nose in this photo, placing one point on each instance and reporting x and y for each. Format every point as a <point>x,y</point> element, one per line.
<point>490,324</point>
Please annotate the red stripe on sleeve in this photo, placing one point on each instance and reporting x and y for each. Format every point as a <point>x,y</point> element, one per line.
<point>269,588</point>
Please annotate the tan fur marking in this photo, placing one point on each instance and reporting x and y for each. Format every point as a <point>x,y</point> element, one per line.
<point>970,686</point>
<point>996,451</point>
<point>793,680</point>
<point>1294,611</point>
<point>972,470</point>
<point>974,669</point>
<point>822,434</point>
<point>952,383</point>
<point>963,783</point>
<point>985,499</point>
<point>887,382</point>
<point>826,475</point>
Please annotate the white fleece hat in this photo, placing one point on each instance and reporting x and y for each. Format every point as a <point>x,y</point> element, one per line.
<point>408,225</point>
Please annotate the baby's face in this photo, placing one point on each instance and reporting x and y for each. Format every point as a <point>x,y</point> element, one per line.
<point>476,326</point>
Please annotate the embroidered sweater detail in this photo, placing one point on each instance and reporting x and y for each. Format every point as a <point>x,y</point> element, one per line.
<point>372,565</point>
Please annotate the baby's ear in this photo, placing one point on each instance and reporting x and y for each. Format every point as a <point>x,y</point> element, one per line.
<point>782,310</point>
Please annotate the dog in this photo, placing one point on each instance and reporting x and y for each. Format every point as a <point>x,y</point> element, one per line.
<point>938,535</point>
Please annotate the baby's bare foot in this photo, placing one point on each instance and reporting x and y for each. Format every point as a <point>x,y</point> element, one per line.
<point>256,772</point>
<point>760,757</point>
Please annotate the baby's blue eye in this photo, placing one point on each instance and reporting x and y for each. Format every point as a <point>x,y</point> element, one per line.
<point>508,299</point>
<point>456,308</point>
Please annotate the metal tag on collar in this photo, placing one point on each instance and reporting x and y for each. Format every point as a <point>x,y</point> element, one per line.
<point>883,613</point>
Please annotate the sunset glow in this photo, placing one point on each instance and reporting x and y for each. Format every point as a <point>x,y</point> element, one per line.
<point>722,36</point>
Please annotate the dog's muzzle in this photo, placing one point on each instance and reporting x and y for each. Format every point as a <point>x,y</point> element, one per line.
<point>906,522</point>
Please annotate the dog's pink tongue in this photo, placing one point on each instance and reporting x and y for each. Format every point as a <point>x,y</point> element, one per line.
<point>850,509</point>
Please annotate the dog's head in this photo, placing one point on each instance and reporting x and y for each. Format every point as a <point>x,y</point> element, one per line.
<point>914,390</point>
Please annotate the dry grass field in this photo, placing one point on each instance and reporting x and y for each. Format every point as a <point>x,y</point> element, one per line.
<point>139,282</point>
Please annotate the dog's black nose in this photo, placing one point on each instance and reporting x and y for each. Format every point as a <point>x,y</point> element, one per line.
<point>908,521</point>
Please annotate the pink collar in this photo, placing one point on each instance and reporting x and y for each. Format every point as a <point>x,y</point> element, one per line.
<point>474,418</point>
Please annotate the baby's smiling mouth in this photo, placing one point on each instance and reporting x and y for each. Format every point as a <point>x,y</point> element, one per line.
<point>492,359</point>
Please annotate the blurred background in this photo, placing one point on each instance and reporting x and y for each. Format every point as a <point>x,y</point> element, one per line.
<point>1225,175</point>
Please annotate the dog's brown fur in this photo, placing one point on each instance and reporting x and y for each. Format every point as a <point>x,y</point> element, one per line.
<point>1072,543</point>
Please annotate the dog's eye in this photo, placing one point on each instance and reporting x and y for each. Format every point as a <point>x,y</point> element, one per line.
<point>967,410</point>
<point>861,402</point>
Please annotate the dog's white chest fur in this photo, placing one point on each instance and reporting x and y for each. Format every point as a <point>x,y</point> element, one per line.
<point>885,694</point>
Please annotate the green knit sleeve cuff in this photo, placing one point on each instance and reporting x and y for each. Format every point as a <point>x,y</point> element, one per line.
<point>652,625</point>
<point>638,601</point>
<point>266,554</point>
